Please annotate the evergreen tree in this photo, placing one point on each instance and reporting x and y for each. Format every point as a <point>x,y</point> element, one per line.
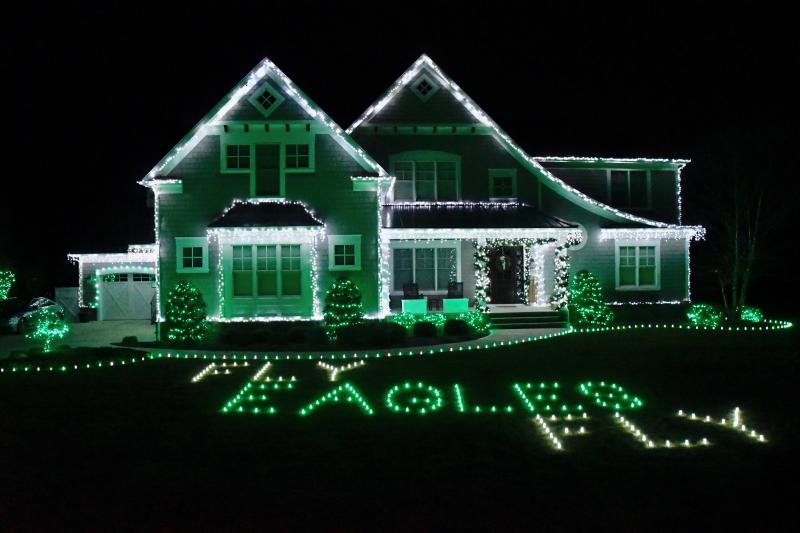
<point>342,306</point>
<point>587,305</point>
<point>186,313</point>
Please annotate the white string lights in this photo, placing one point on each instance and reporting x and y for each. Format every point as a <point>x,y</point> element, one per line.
<point>647,442</point>
<point>425,62</point>
<point>733,422</point>
<point>334,371</point>
<point>216,369</point>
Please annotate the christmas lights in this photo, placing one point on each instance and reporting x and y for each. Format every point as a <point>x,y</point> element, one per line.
<point>545,395</point>
<point>684,232</point>
<point>647,442</point>
<point>586,301</point>
<point>258,376</point>
<point>344,393</point>
<point>417,398</point>
<point>334,371</point>
<point>213,369</point>
<point>257,395</point>
<point>461,405</point>
<point>186,313</point>
<point>342,307</point>
<point>733,422</point>
<point>704,315</point>
<point>610,395</point>
<point>6,280</point>
<point>424,62</point>
<point>751,314</point>
<point>48,326</point>
<point>119,268</point>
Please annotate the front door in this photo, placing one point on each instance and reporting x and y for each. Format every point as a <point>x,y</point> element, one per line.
<point>503,274</point>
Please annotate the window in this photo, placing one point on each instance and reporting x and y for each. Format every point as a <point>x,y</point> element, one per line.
<point>115,278</point>
<point>266,99</point>
<point>265,270</point>
<point>191,254</point>
<point>426,181</point>
<point>431,268</point>
<point>503,183</point>
<point>629,188</point>
<point>138,276</point>
<point>424,87</point>
<point>638,266</point>
<point>297,156</point>
<point>344,252</point>
<point>237,156</point>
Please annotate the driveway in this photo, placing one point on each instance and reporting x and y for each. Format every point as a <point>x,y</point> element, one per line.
<point>90,334</point>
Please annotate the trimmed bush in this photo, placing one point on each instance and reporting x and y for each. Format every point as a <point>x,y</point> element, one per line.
<point>456,328</point>
<point>424,329</point>
<point>751,314</point>
<point>186,313</point>
<point>704,315</point>
<point>372,334</point>
<point>477,321</point>
<point>587,305</point>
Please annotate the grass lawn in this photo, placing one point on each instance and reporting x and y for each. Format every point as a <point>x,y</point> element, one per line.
<point>140,445</point>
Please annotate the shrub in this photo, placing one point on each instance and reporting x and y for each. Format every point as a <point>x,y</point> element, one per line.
<point>587,304</point>
<point>186,313</point>
<point>48,326</point>
<point>477,321</point>
<point>408,320</point>
<point>456,328</point>
<point>342,306</point>
<point>130,339</point>
<point>372,334</point>
<point>751,314</point>
<point>704,315</point>
<point>6,280</point>
<point>424,329</point>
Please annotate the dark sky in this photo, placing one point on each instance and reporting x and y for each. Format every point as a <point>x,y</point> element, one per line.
<point>96,96</point>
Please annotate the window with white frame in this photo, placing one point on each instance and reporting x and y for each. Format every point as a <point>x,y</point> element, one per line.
<point>432,177</point>
<point>629,188</point>
<point>424,87</point>
<point>298,156</point>
<point>344,252</point>
<point>266,99</point>
<point>237,156</point>
<point>502,183</point>
<point>431,268</point>
<point>265,270</point>
<point>638,266</point>
<point>191,254</point>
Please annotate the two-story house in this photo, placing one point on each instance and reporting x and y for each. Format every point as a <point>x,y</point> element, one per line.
<point>267,200</point>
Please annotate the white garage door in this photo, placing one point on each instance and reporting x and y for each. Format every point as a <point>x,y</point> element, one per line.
<point>126,296</point>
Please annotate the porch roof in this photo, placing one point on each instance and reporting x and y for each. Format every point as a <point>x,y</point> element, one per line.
<point>246,214</point>
<point>484,215</point>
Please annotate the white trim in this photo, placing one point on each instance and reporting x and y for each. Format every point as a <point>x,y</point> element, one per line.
<point>684,232</point>
<point>425,156</point>
<point>333,241</point>
<point>190,242</point>
<point>637,244</point>
<point>264,87</point>
<point>503,173</point>
<point>420,79</point>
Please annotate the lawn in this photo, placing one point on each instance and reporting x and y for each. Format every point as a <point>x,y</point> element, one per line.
<point>142,445</point>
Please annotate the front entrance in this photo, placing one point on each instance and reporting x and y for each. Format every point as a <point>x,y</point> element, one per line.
<point>505,274</point>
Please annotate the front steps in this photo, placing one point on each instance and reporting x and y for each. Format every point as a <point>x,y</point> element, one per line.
<point>527,319</point>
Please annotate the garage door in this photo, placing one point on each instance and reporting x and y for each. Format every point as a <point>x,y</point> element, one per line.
<point>126,296</point>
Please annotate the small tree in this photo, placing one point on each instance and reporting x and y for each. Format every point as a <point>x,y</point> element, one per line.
<point>586,301</point>
<point>186,313</point>
<point>342,306</point>
<point>6,280</point>
<point>48,326</point>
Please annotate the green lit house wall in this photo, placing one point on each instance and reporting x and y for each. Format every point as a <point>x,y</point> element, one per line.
<point>423,187</point>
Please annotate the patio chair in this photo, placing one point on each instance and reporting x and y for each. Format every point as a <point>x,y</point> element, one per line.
<point>455,289</point>
<point>411,291</point>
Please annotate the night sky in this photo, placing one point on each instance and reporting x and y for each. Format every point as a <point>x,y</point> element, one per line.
<point>95,97</point>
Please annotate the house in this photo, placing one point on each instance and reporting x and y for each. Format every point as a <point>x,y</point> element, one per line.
<point>267,200</point>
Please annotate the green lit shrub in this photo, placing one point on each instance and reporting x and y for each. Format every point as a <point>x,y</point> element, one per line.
<point>424,329</point>
<point>6,280</point>
<point>342,307</point>
<point>478,322</point>
<point>371,334</point>
<point>186,313</point>
<point>751,314</point>
<point>704,315</point>
<point>48,326</point>
<point>587,305</point>
<point>456,328</point>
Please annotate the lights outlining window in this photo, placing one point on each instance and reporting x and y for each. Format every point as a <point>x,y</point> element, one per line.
<point>344,252</point>
<point>298,156</point>
<point>272,270</point>
<point>426,180</point>
<point>637,266</point>
<point>237,156</point>
<point>115,278</point>
<point>431,268</point>
<point>424,87</point>
<point>629,189</point>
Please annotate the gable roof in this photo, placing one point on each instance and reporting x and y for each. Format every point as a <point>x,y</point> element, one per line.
<point>554,183</point>
<point>290,90</point>
<point>461,215</point>
<point>266,214</point>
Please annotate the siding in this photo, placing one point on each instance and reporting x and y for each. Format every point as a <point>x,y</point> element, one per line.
<point>287,110</point>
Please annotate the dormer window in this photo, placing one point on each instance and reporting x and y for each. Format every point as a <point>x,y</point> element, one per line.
<point>424,87</point>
